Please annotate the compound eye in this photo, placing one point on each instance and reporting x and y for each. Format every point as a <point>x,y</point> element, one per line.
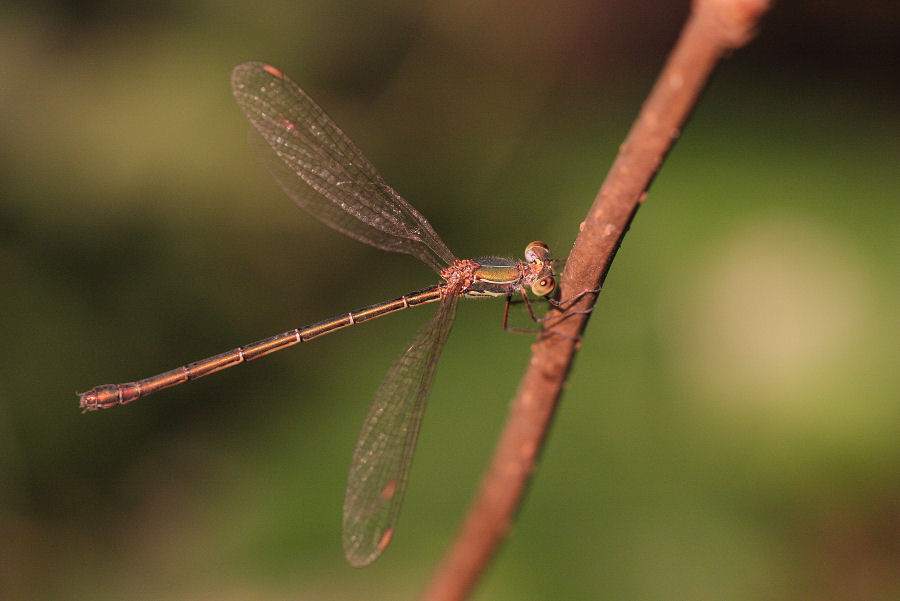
<point>537,251</point>
<point>544,286</point>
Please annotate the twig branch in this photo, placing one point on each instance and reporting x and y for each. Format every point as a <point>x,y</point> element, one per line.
<point>713,28</point>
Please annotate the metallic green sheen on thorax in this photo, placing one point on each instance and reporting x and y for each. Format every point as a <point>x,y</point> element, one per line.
<point>495,277</point>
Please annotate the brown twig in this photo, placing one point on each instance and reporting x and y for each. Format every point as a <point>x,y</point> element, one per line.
<point>713,28</point>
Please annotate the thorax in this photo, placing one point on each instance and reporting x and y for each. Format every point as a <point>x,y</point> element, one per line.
<point>495,276</point>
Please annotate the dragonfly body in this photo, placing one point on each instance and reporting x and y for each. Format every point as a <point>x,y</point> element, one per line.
<point>321,170</point>
<point>485,277</point>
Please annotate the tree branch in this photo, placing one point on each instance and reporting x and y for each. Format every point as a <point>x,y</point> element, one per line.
<point>713,28</point>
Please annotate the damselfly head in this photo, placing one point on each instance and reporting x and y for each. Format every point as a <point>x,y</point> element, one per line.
<point>543,281</point>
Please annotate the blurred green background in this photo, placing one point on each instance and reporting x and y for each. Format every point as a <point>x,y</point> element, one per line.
<point>731,427</point>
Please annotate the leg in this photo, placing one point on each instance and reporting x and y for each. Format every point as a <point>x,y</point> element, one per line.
<point>573,299</point>
<point>559,305</point>
<point>509,301</point>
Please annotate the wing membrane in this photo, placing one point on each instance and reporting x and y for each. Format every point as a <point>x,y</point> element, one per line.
<point>383,454</point>
<point>323,171</point>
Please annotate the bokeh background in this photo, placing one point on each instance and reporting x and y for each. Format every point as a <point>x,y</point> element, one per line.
<point>731,427</point>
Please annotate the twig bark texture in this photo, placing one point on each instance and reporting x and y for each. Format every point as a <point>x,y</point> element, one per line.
<point>714,28</point>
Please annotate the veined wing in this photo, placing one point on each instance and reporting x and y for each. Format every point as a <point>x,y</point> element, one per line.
<point>384,450</point>
<point>324,172</point>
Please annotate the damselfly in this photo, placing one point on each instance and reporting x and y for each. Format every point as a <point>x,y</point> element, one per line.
<point>318,166</point>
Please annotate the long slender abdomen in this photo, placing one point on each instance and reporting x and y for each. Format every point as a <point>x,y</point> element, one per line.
<point>110,395</point>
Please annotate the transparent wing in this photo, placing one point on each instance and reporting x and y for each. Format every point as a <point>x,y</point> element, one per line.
<point>383,454</point>
<point>324,172</point>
